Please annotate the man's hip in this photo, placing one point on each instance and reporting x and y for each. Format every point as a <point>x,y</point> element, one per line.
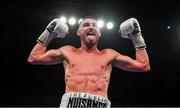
<point>84,100</point>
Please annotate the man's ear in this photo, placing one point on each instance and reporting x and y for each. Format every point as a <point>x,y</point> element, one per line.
<point>99,34</point>
<point>78,34</point>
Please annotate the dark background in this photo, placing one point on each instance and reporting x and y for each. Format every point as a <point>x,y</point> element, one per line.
<point>27,85</point>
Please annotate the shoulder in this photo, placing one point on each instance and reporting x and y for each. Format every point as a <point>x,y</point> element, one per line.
<point>66,50</point>
<point>111,53</point>
<point>67,47</point>
<point>109,50</point>
<point>115,53</point>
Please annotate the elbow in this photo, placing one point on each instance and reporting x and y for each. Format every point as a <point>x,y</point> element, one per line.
<point>146,67</point>
<point>32,60</point>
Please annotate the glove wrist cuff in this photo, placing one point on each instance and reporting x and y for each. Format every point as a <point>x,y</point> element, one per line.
<point>138,42</point>
<point>45,38</point>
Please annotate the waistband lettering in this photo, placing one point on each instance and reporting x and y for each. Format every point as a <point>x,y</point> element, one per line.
<point>80,102</point>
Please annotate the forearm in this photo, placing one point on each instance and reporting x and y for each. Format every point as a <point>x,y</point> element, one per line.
<point>143,58</point>
<point>38,50</point>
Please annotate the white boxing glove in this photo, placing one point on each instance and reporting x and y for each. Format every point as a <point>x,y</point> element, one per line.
<point>130,29</point>
<point>56,28</point>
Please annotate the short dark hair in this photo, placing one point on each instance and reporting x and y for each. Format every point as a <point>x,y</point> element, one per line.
<point>87,17</point>
<point>91,17</point>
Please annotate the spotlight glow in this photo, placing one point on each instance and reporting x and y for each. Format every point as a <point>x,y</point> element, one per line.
<point>100,23</point>
<point>63,19</point>
<point>109,25</point>
<point>72,21</point>
<point>80,21</point>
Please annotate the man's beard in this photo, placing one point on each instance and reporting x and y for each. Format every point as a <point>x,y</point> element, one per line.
<point>90,44</point>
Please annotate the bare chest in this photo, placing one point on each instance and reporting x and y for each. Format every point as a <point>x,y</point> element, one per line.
<point>89,63</point>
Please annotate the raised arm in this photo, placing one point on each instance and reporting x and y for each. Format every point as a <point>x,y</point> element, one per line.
<point>130,29</point>
<point>139,64</point>
<point>39,54</point>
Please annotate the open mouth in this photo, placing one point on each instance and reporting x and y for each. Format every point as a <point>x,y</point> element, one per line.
<point>91,33</point>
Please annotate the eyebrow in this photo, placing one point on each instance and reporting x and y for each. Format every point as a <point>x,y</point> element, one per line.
<point>81,24</point>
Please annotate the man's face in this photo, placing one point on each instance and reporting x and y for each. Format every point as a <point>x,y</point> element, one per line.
<point>89,31</point>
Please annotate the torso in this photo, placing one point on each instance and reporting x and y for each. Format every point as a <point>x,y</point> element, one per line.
<point>87,72</point>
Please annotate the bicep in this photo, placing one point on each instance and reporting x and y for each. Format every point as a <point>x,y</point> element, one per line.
<point>52,56</point>
<point>127,63</point>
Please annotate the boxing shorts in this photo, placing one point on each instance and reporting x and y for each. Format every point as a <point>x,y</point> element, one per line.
<point>84,100</point>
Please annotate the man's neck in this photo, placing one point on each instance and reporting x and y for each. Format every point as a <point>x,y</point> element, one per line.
<point>85,48</point>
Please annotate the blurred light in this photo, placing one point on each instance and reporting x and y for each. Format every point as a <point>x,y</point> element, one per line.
<point>100,23</point>
<point>80,21</point>
<point>63,19</point>
<point>168,27</point>
<point>109,25</point>
<point>72,21</point>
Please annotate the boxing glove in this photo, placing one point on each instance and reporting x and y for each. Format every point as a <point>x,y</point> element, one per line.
<point>130,29</point>
<point>56,28</point>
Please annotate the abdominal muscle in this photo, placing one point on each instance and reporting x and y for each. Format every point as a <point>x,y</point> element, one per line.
<point>90,74</point>
<point>89,82</point>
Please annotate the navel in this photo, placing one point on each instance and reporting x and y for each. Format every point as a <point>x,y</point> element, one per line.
<point>102,67</point>
<point>73,65</point>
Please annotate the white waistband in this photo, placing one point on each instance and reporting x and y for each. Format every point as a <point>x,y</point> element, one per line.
<point>83,95</point>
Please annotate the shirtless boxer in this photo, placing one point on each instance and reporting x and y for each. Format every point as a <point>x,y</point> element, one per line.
<point>87,69</point>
